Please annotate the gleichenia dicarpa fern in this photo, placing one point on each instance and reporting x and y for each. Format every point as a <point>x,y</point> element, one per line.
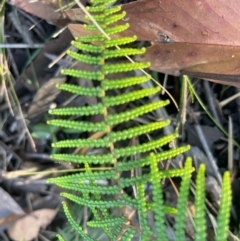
<point>84,188</point>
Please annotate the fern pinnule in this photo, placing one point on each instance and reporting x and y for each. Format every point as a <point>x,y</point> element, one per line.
<point>133,150</point>
<point>93,143</point>
<point>137,131</point>
<point>138,111</point>
<point>134,95</point>
<point>107,222</point>
<point>146,232</point>
<point>76,125</point>
<point>88,188</point>
<point>200,217</point>
<point>72,221</point>
<point>182,201</point>
<point>102,203</point>
<point>91,159</point>
<point>96,75</point>
<point>128,235</point>
<point>159,214</point>
<point>124,166</point>
<point>123,67</point>
<point>123,83</point>
<point>224,211</point>
<point>88,48</point>
<point>78,111</point>
<point>60,237</point>
<point>123,52</point>
<point>91,176</point>
<point>120,41</point>
<point>85,58</point>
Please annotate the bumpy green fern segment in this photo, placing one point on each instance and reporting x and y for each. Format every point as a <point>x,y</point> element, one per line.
<point>146,232</point>
<point>107,222</point>
<point>97,50</point>
<point>128,235</point>
<point>182,202</point>
<point>75,224</point>
<point>60,238</point>
<point>200,218</point>
<point>225,207</point>
<point>158,200</point>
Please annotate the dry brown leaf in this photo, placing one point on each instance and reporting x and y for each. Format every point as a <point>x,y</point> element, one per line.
<point>27,228</point>
<point>10,211</point>
<point>206,61</point>
<point>203,21</point>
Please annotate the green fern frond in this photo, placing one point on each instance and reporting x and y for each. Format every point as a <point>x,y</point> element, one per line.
<point>96,50</point>
<point>200,218</point>
<point>225,207</point>
<point>182,201</point>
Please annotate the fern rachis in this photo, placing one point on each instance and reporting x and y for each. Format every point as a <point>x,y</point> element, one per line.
<point>99,51</point>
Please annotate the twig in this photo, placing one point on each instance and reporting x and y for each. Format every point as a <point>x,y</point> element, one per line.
<point>208,152</point>
<point>209,97</point>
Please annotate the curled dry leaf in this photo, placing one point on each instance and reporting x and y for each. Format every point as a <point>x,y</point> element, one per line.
<point>27,228</point>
